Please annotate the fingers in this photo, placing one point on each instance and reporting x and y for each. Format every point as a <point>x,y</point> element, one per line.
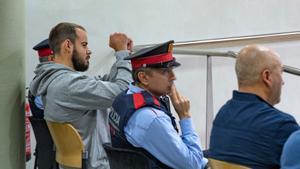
<point>120,41</point>
<point>173,95</point>
<point>130,45</point>
<point>181,103</point>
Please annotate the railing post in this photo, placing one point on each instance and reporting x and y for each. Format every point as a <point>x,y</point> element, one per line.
<point>209,100</point>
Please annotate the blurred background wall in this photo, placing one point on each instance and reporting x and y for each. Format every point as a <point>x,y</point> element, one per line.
<point>154,21</point>
<point>12,84</point>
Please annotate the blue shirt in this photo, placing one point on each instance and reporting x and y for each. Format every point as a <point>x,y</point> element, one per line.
<point>152,129</point>
<point>249,131</point>
<point>38,102</point>
<point>291,152</point>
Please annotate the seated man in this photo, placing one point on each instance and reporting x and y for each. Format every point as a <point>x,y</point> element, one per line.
<point>45,55</point>
<point>291,152</point>
<point>248,130</point>
<point>72,97</point>
<point>44,151</point>
<point>141,116</point>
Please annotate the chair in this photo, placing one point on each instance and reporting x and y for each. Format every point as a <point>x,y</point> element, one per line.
<point>44,150</point>
<point>218,164</point>
<point>69,146</point>
<point>125,158</point>
<point>130,159</point>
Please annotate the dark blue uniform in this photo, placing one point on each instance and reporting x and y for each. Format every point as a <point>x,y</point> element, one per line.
<point>44,151</point>
<point>123,108</point>
<point>249,131</point>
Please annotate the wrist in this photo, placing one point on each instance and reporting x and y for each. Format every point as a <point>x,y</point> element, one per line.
<point>184,115</point>
<point>186,126</point>
<point>119,48</point>
<point>121,54</point>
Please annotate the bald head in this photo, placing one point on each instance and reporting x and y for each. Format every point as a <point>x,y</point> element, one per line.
<point>252,61</point>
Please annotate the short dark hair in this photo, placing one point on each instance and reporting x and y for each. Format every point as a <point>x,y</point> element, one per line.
<point>61,32</point>
<point>136,71</point>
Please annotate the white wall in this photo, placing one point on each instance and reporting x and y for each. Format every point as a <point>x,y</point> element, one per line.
<point>153,21</point>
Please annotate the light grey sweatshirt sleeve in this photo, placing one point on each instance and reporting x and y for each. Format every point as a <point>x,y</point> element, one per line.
<point>79,92</point>
<point>120,55</point>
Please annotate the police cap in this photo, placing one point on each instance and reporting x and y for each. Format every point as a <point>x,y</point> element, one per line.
<point>157,56</point>
<point>43,48</point>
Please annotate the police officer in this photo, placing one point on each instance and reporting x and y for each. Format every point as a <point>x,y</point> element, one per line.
<point>141,117</point>
<point>44,152</point>
<point>45,55</point>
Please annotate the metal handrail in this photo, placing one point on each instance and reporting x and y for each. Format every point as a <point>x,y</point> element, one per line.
<point>287,36</point>
<point>231,54</point>
<point>203,53</point>
<point>291,70</point>
<point>237,41</point>
<point>282,36</point>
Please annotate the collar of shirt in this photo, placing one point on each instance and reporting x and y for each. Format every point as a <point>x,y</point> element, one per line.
<point>134,89</point>
<point>242,96</point>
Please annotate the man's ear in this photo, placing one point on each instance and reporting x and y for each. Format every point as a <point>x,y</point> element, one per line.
<point>143,78</point>
<point>266,77</point>
<point>67,46</point>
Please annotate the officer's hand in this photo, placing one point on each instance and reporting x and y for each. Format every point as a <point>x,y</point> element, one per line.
<point>180,103</point>
<point>119,41</point>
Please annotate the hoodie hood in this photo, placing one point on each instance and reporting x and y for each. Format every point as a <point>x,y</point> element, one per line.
<point>45,74</point>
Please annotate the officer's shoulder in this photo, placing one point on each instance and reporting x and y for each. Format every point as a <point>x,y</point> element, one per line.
<point>146,115</point>
<point>150,112</point>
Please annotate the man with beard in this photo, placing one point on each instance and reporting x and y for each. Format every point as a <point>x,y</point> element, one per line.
<point>248,130</point>
<point>80,100</point>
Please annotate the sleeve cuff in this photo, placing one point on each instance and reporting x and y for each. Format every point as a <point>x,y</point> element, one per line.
<point>121,54</point>
<point>186,126</point>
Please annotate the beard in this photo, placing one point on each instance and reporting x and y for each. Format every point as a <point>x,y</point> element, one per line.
<point>78,62</point>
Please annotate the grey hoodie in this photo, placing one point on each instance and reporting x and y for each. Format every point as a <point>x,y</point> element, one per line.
<point>69,96</point>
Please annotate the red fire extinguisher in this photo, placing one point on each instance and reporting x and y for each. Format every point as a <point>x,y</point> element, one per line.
<point>27,132</point>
